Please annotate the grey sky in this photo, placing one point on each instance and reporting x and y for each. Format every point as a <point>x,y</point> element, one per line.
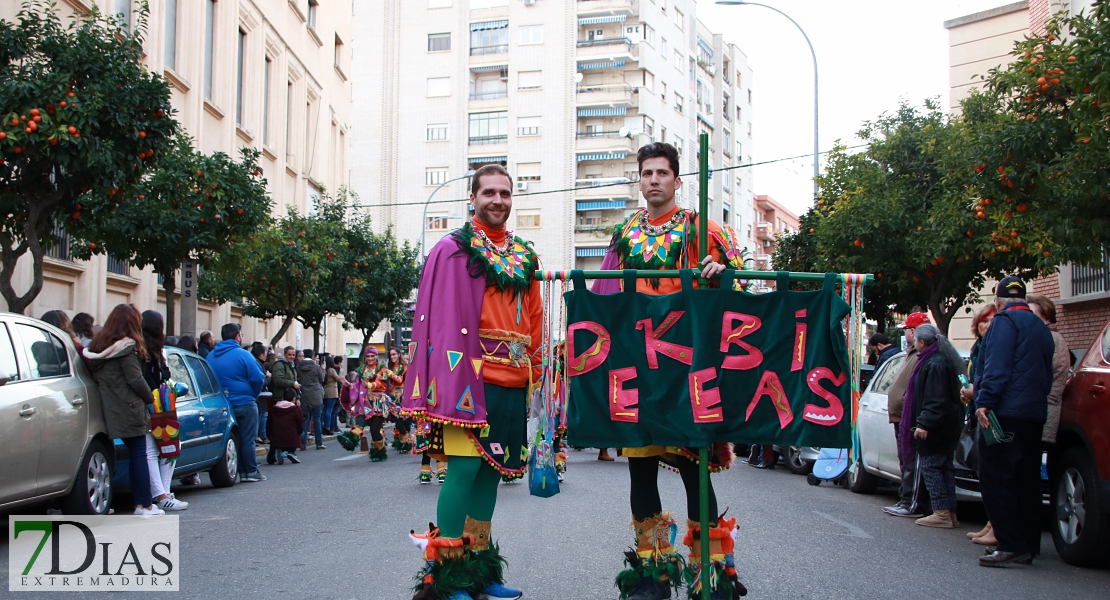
<point>870,54</point>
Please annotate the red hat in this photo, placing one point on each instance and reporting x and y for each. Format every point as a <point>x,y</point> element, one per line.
<point>915,320</point>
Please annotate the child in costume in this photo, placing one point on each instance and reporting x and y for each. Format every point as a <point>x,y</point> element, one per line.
<point>474,357</point>
<point>423,441</point>
<point>402,428</point>
<point>286,423</point>
<point>370,402</point>
<point>663,236</point>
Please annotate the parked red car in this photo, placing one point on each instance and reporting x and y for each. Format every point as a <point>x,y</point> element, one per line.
<point>1080,463</point>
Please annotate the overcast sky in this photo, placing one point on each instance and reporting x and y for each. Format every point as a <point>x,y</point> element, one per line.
<point>870,54</point>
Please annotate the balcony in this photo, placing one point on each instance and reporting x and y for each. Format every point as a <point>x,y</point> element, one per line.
<point>490,95</point>
<point>486,140</point>
<point>763,262</point>
<point>591,7</point>
<point>605,187</point>
<point>118,265</point>
<point>483,50</point>
<point>765,231</point>
<point>708,66</point>
<point>603,142</point>
<point>1091,280</point>
<point>614,49</point>
<point>606,94</point>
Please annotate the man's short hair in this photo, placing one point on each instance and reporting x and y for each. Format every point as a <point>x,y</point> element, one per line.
<point>877,339</point>
<point>308,353</point>
<point>230,331</point>
<point>287,349</point>
<point>658,149</point>
<point>206,337</point>
<point>491,169</point>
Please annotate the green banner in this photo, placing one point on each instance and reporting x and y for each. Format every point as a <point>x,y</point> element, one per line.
<point>713,365</point>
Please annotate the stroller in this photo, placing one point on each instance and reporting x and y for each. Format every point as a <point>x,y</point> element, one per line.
<point>831,465</point>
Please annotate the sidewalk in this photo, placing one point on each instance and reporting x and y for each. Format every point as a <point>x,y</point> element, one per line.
<point>263,449</point>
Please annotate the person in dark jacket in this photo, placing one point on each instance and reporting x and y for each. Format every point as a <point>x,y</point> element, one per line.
<point>241,379</point>
<point>117,354</point>
<point>207,343</point>
<point>286,426</point>
<point>933,400</point>
<point>311,377</point>
<point>1013,383</point>
<point>283,373</point>
<point>883,348</point>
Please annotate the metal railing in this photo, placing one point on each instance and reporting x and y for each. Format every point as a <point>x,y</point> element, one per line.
<point>59,250</point>
<point>490,95</point>
<point>604,42</point>
<point>586,135</point>
<point>489,139</point>
<point>118,265</point>
<point>481,50</point>
<point>1091,280</point>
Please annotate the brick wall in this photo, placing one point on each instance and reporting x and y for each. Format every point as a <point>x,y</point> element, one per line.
<point>1048,286</point>
<point>1038,14</point>
<point>1079,323</point>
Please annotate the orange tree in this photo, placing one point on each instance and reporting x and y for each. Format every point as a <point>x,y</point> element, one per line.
<point>905,210</point>
<point>279,272</point>
<point>1046,167</point>
<point>79,113</point>
<point>189,206</point>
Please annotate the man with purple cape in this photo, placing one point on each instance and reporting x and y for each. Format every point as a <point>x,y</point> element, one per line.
<point>474,360</point>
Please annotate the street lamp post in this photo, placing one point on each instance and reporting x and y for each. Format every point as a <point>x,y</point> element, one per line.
<point>816,167</point>
<point>424,219</point>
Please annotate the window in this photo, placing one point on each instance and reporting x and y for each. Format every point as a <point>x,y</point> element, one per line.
<point>678,60</point>
<point>439,87</point>
<point>312,5</point>
<point>479,4</point>
<point>288,121</point>
<point>123,11</point>
<point>528,221</point>
<point>266,100</point>
<point>531,34</point>
<point>649,35</point>
<point>310,119</point>
<point>528,171</point>
<point>649,125</point>
<point>8,364</point>
<point>662,134</point>
<point>663,46</point>
<point>41,350</point>
<point>679,18</point>
<point>491,37</point>
<point>890,371</point>
<point>489,127</point>
<point>649,80</point>
<point>738,79</point>
<point>170,48</point>
<point>678,103</point>
<point>726,143</point>
<point>338,59</point>
<point>437,223</point>
<point>435,175</point>
<point>663,91</point>
<point>209,44</point>
<point>206,380</point>
<point>727,113</point>
<point>739,153</point>
<point>678,145</point>
<point>528,126</point>
<point>242,50</point>
<point>437,132</point>
<point>179,373</point>
<point>738,113</point>
<point>529,80</point>
<point>439,3</point>
<point>439,42</point>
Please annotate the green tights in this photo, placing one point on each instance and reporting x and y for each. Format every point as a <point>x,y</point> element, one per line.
<point>470,490</point>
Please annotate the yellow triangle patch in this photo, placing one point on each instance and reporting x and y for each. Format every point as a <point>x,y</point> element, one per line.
<point>416,387</point>
<point>477,364</point>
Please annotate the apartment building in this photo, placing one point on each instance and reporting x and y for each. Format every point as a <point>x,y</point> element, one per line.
<point>560,93</point>
<point>244,73</point>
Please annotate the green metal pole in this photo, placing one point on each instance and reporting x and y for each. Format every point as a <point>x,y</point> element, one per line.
<point>672,274</point>
<point>703,453</point>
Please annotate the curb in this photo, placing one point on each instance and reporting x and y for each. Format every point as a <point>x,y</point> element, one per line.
<point>263,449</point>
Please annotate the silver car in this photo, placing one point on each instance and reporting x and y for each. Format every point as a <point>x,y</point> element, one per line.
<point>53,442</point>
<point>878,456</point>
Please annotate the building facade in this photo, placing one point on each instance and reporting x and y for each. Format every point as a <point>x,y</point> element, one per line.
<point>560,93</point>
<point>243,73</point>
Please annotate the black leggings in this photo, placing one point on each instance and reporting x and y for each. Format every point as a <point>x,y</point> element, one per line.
<point>403,426</point>
<point>644,493</point>
<point>425,459</point>
<point>375,424</point>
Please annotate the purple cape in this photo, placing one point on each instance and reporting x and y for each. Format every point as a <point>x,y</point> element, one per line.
<point>443,382</point>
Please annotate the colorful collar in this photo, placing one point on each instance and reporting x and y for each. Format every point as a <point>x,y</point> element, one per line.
<point>642,245</point>
<point>510,267</point>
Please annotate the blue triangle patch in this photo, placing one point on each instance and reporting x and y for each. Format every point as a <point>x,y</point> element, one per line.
<point>453,358</point>
<point>466,402</point>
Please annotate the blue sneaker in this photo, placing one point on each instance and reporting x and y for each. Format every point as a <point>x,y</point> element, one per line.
<point>497,591</point>
<point>461,595</point>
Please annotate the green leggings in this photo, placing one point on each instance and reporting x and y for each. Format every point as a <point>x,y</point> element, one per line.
<point>470,490</point>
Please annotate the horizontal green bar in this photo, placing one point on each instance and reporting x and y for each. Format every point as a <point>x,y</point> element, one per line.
<point>646,274</point>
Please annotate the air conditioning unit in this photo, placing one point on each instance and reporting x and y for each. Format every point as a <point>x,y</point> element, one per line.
<point>522,186</point>
<point>529,2</point>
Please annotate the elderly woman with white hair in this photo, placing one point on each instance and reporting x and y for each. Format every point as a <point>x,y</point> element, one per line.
<point>933,399</point>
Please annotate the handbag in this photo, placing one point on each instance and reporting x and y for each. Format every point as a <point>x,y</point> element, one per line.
<point>994,434</point>
<point>543,481</point>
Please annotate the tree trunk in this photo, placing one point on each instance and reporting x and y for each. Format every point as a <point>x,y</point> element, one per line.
<point>316,338</point>
<point>366,333</point>
<point>284,327</point>
<point>169,284</point>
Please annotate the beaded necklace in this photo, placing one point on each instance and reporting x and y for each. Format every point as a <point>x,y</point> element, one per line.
<point>489,245</point>
<point>646,246</point>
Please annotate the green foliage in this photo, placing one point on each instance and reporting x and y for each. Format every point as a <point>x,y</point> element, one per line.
<point>188,206</point>
<point>280,271</point>
<point>904,209</point>
<point>78,113</point>
<point>1049,151</point>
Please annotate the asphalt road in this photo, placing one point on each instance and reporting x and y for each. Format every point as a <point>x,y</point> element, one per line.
<point>335,527</point>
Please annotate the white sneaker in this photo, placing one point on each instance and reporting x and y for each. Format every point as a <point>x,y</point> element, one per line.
<point>153,511</point>
<point>562,476</point>
<point>171,503</point>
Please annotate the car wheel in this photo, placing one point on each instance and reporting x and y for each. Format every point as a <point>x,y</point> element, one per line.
<point>795,463</point>
<point>1080,529</point>
<point>859,480</point>
<point>226,471</point>
<point>92,489</point>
